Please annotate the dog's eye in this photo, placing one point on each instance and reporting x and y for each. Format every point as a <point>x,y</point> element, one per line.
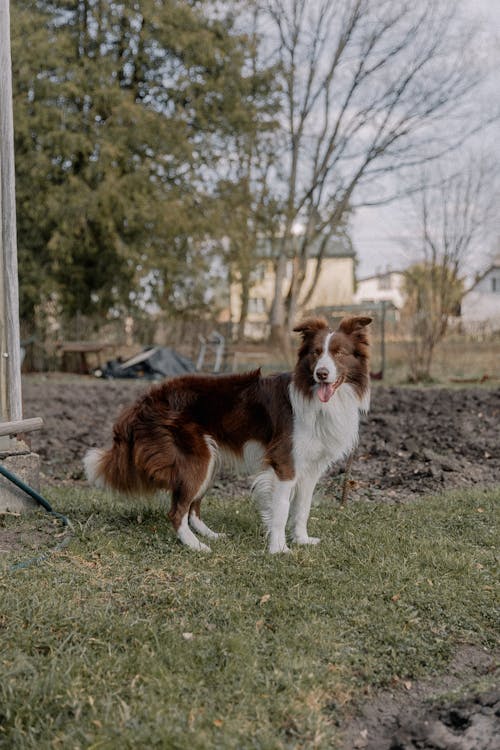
<point>341,353</point>
<point>317,351</point>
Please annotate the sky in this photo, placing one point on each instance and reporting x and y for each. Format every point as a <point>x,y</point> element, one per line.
<point>379,233</point>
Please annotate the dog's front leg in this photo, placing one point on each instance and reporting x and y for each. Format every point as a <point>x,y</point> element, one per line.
<point>279,515</point>
<point>301,508</point>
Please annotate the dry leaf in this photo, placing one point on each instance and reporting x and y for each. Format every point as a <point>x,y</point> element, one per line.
<point>265,598</point>
<point>362,740</point>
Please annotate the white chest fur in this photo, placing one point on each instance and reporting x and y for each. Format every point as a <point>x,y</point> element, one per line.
<point>324,433</point>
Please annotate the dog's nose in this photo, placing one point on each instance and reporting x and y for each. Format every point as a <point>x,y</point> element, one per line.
<point>322,373</point>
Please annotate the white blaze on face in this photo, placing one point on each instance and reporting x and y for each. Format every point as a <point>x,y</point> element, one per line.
<point>325,371</point>
<point>326,361</point>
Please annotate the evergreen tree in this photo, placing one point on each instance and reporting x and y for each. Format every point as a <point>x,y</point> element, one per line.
<point>122,116</point>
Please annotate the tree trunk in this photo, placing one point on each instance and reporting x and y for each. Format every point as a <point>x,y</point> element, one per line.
<point>279,335</point>
<point>277,316</point>
<point>245,297</point>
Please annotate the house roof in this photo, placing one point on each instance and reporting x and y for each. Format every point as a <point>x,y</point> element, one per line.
<point>336,247</point>
<point>381,275</point>
<point>494,265</point>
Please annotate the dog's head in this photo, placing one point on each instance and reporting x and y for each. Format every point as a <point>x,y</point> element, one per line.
<point>328,358</point>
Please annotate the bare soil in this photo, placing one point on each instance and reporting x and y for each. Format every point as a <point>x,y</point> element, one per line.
<point>409,716</point>
<point>414,441</point>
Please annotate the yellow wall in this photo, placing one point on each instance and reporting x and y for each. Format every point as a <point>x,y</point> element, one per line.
<point>335,286</point>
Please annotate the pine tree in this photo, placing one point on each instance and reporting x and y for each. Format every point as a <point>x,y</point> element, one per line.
<point>122,117</point>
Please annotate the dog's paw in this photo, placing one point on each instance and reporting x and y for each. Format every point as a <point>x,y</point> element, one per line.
<point>195,545</point>
<point>202,547</point>
<point>276,548</point>
<point>201,528</point>
<point>307,540</point>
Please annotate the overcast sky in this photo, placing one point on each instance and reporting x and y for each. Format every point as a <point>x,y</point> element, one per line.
<point>379,233</point>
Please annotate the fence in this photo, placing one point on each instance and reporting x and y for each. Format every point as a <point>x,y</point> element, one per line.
<point>460,355</point>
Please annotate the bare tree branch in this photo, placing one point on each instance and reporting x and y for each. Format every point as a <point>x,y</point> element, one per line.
<point>366,84</point>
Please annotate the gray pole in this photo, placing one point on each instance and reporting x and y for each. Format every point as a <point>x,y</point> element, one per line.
<point>10,351</point>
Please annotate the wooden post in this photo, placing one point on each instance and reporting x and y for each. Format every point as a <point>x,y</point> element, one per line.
<point>10,349</point>
<point>22,426</point>
<point>15,454</point>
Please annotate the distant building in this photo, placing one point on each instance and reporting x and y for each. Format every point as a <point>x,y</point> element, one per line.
<point>381,287</point>
<point>480,307</point>
<point>334,286</point>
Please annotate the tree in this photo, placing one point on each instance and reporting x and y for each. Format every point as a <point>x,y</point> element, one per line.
<point>122,115</point>
<point>365,85</point>
<point>246,204</point>
<point>451,215</point>
<point>433,293</point>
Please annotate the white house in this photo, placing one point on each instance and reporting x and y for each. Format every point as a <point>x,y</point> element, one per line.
<point>382,287</point>
<point>480,307</point>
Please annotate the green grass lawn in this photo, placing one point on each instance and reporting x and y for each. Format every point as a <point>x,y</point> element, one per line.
<point>127,640</point>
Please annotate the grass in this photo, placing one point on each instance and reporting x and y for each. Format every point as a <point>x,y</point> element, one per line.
<point>125,639</point>
<point>455,358</point>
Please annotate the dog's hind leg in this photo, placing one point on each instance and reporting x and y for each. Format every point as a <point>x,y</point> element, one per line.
<point>179,514</point>
<point>194,514</point>
<point>192,460</point>
<point>198,525</point>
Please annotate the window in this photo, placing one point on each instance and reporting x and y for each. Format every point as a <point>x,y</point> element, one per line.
<point>257,305</point>
<point>495,284</point>
<point>384,282</point>
<point>259,273</point>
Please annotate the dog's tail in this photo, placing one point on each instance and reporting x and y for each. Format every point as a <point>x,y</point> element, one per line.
<point>114,468</point>
<point>93,463</point>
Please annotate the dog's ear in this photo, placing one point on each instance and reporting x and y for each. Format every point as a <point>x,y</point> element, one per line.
<point>354,323</point>
<point>311,326</point>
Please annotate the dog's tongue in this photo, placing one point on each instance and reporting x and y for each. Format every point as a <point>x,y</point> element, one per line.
<point>325,391</point>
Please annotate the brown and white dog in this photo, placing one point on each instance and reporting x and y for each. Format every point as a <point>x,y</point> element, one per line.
<point>289,427</point>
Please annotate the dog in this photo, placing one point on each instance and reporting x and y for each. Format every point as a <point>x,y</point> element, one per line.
<point>290,427</point>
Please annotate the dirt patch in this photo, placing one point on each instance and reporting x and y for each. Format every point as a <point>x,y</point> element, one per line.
<point>412,442</point>
<point>36,533</point>
<point>421,441</point>
<point>413,716</point>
